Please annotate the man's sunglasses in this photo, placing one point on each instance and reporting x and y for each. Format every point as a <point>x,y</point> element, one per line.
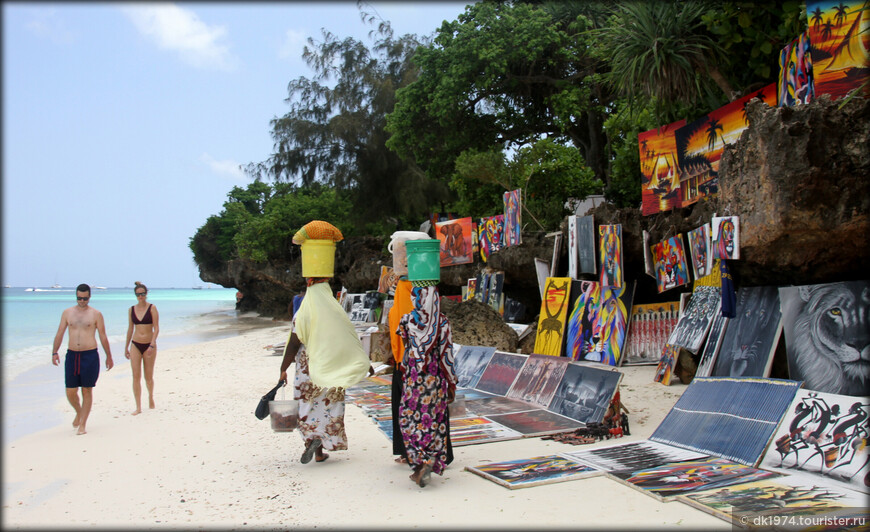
<point>141,294</point>
<point>82,298</point>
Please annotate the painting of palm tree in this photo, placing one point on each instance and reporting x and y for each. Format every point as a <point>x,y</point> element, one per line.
<point>827,29</point>
<point>817,17</point>
<point>712,128</point>
<point>841,14</point>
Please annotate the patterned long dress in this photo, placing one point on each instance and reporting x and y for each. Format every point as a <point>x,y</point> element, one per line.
<point>321,411</point>
<point>428,375</point>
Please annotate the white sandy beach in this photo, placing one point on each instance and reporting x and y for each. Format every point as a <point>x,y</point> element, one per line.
<point>202,460</point>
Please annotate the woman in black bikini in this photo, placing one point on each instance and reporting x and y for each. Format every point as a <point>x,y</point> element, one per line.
<point>142,333</point>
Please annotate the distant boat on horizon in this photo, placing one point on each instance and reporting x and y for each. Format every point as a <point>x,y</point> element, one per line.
<point>55,285</point>
<point>100,287</point>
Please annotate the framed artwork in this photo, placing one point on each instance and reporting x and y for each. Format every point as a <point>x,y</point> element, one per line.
<point>732,417</point>
<point>469,363</point>
<point>700,144</point>
<point>554,310</point>
<point>586,244</point>
<point>670,263</point>
<point>743,504</point>
<point>751,337</point>
<point>455,238</point>
<point>795,84</point>
<point>660,176</point>
<point>501,372</point>
<point>578,338</point>
<point>528,472</point>
<point>677,478</point>
<point>611,325</point>
<point>533,423</point>
<point>726,237</point>
<point>633,456</point>
<point>711,348</point>
<point>839,57</point>
<point>825,327</point>
<point>610,243</point>
<point>667,363</point>
<point>512,217</point>
<point>699,246</point>
<point>695,321</point>
<point>822,436</point>
<point>649,327</point>
<point>538,379</point>
<point>491,231</point>
<point>585,392</point>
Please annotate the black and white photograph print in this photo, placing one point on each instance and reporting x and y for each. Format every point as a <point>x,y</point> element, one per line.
<point>696,319</point>
<point>827,336</point>
<point>751,336</point>
<point>584,393</point>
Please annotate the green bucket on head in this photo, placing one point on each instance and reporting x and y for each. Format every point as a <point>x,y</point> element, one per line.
<point>424,259</point>
<point>318,258</point>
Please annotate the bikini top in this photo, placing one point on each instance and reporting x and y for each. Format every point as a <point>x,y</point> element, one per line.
<point>146,319</point>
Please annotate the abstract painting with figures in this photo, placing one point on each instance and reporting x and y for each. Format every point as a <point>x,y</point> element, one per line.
<point>455,237</point>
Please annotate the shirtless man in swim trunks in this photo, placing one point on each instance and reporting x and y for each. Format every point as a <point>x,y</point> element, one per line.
<point>82,364</point>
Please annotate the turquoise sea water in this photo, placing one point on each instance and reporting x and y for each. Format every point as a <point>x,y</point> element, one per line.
<point>32,385</point>
<point>30,319</point>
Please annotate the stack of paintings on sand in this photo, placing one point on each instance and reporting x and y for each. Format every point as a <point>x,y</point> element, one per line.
<point>373,396</point>
<point>536,471</point>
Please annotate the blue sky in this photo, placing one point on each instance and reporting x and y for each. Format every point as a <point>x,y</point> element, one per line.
<point>124,125</point>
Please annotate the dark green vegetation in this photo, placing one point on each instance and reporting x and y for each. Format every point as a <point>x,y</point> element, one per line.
<point>546,96</point>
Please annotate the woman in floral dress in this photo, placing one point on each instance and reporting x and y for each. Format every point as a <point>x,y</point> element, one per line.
<point>429,384</point>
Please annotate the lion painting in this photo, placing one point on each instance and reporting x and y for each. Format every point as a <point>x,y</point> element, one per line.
<point>827,333</point>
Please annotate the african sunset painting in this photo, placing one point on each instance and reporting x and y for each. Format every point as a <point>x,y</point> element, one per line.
<point>700,144</point>
<point>839,33</point>
<point>660,185</point>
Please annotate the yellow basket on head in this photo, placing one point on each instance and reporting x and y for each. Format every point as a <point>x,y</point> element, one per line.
<point>318,258</point>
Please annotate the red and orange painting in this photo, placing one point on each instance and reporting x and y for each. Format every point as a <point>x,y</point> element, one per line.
<point>839,32</point>
<point>795,83</point>
<point>455,237</point>
<point>554,312</point>
<point>660,183</point>
<point>700,144</point>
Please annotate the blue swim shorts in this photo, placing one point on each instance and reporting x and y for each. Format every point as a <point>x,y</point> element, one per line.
<point>82,368</point>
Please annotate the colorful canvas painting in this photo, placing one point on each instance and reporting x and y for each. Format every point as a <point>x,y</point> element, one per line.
<point>586,244</point>
<point>585,392</point>
<point>747,504</point>
<point>534,423</point>
<point>471,288</point>
<point>700,144</point>
<point>750,340</point>
<point>528,472</point>
<point>660,179</point>
<point>512,218</point>
<point>455,238</point>
<point>667,362</point>
<point>732,417</point>
<point>610,245</point>
<point>494,293</point>
<point>824,436</point>
<point>670,263</point>
<point>387,281</point>
<point>839,44</point>
<point>633,456</point>
<point>501,372</point>
<point>578,337</point>
<point>711,348</point>
<point>676,478</point>
<point>469,363</point>
<point>649,327</point>
<point>554,310</point>
<point>695,321</point>
<point>491,235</point>
<point>826,336</point>
<point>538,379</point>
<point>611,324</point>
<point>795,84</point>
<point>700,247</point>
<point>726,237</point>
<point>474,434</point>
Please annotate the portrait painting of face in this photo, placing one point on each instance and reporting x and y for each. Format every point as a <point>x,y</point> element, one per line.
<point>699,246</point>
<point>726,237</point>
<point>610,240</point>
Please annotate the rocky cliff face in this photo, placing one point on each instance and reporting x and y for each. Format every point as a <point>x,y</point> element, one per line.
<point>797,177</point>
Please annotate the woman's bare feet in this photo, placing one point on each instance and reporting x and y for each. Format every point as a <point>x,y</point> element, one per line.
<point>76,421</point>
<point>136,412</point>
<point>150,403</point>
<point>81,431</point>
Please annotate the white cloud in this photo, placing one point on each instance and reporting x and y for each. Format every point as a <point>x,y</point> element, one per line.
<point>180,30</point>
<point>47,25</point>
<point>225,168</point>
<point>291,47</point>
